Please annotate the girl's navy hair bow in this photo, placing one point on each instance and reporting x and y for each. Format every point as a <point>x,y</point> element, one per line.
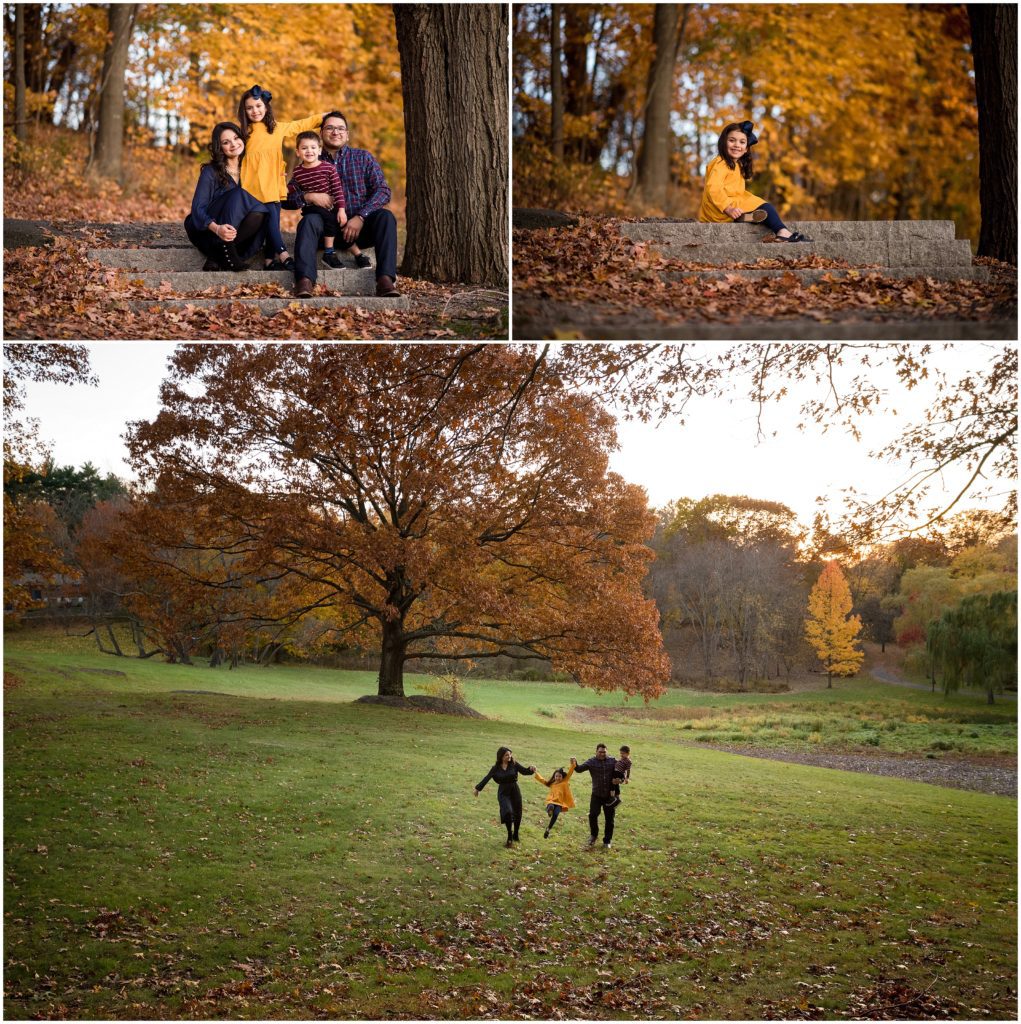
<point>258,93</point>
<point>746,127</point>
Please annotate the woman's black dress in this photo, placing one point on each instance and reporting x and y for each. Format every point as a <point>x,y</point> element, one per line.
<point>508,794</point>
<point>222,204</point>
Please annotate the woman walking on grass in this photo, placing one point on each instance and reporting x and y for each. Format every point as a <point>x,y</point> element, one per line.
<point>725,196</point>
<point>505,773</point>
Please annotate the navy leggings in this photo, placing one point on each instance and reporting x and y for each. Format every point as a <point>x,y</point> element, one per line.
<point>772,220</point>
<point>274,240</point>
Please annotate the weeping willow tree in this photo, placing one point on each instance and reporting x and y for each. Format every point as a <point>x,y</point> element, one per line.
<point>975,643</point>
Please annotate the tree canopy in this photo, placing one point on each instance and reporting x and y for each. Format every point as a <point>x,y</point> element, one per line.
<point>426,501</point>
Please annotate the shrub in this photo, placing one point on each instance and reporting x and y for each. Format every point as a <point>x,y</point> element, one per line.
<point>446,687</point>
<point>545,712</point>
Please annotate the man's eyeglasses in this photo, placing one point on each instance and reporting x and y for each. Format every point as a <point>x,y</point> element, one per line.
<point>334,128</point>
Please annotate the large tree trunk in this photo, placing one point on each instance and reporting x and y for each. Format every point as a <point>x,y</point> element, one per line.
<point>454,84</point>
<point>578,95</point>
<point>110,140</point>
<point>994,47</point>
<point>20,106</point>
<point>556,86</point>
<point>654,156</point>
<point>391,660</point>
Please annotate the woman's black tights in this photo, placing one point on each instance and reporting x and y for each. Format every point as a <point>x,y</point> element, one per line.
<point>249,227</point>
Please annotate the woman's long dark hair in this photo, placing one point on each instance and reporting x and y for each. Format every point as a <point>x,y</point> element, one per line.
<point>746,162</point>
<point>218,160</point>
<point>499,756</point>
<point>269,120</point>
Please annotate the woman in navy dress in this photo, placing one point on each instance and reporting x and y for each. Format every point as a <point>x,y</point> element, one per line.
<point>226,223</point>
<point>505,773</point>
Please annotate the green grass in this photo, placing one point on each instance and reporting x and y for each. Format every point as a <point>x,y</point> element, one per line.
<point>272,850</point>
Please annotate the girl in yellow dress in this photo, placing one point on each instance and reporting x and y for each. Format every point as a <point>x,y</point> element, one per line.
<point>262,170</point>
<point>559,797</point>
<point>725,196</point>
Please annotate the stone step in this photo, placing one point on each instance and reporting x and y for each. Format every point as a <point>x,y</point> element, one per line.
<point>268,305</point>
<point>876,252</point>
<point>847,230</point>
<point>179,258</point>
<point>343,282</point>
<point>811,275</point>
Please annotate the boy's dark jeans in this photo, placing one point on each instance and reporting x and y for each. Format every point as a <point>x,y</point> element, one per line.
<point>379,232</point>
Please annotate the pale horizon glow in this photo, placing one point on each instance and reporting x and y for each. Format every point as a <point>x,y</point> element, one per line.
<point>715,451</point>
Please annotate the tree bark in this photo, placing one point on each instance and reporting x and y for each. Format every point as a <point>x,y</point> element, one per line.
<point>654,156</point>
<point>391,659</point>
<point>556,86</point>
<point>454,84</point>
<point>994,48</point>
<point>110,140</point>
<point>20,105</point>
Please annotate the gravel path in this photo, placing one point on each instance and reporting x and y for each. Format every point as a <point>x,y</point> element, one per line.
<point>996,775</point>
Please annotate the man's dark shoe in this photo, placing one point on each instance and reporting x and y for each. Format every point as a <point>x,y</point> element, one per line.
<point>385,287</point>
<point>331,259</point>
<point>592,841</point>
<point>363,261</point>
<point>303,288</point>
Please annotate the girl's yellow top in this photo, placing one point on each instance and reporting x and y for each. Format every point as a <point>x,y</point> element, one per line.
<point>262,170</point>
<point>559,792</point>
<point>723,187</point>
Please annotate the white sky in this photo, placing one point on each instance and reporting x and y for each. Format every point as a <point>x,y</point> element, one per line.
<point>715,451</point>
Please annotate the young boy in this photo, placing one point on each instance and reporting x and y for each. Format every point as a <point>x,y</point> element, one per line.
<point>315,175</point>
<point>621,774</point>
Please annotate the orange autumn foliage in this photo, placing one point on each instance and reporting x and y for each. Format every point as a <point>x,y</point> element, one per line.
<point>424,501</point>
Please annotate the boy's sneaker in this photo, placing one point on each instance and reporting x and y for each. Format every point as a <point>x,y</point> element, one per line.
<point>606,846</point>
<point>613,801</point>
<point>331,259</point>
<point>363,261</point>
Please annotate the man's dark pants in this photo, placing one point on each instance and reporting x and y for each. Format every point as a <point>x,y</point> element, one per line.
<point>379,232</point>
<point>596,804</point>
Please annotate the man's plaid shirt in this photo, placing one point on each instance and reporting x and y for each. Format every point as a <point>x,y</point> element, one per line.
<point>602,774</point>
<point>365,188</point>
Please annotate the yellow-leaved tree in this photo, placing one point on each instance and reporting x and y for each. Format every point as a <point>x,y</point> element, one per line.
<point>830,627</point>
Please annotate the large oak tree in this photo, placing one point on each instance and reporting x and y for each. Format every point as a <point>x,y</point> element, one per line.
<point>425,501</point>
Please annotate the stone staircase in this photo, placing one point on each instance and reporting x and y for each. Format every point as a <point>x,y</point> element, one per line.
<point>896,248</point>
<point>170,260</point>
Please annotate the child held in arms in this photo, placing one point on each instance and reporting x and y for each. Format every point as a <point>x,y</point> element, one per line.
<point>315,175</point>
<point>725,196</point>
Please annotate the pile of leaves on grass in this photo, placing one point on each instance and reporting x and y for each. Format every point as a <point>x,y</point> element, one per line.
<point>56,292</point>
<point>594,263</point>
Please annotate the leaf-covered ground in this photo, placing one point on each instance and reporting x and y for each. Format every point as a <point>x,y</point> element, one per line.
<point>602,275</point>
<point>56,292</point>
<point>173,853</point>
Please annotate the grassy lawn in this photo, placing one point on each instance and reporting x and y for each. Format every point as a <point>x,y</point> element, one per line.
<point>272,850</point>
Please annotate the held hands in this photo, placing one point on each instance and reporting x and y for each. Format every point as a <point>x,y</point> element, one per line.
<point>574,762</point>
<point>323,199</point>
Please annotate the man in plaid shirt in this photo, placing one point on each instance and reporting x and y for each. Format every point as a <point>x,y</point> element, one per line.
<point>602,768</point>
<point>369,225</point>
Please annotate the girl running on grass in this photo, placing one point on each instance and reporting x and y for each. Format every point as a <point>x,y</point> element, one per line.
<point>725,196</point>
<point>559,798</point>
<point>262,171</point>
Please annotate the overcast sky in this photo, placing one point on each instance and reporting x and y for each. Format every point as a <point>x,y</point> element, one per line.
<point>715,451</point>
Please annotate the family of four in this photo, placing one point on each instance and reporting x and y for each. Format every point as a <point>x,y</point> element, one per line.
<point>608,775</point>
<point>341,192</point>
